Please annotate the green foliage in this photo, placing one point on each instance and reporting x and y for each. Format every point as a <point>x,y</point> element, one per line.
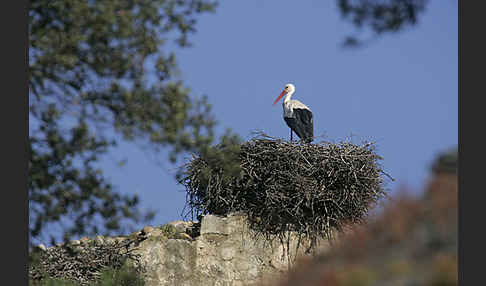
<point>125,276</point>
<point>52,282</point>
<point>91,69</point>
<point>446,162</point>
<point>223,157</point>
<point>169,230</point>
<point>388,16</point>
<point>34,260</point>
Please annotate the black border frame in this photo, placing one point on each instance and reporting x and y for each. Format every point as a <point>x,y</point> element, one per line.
<point>471,73</point>
<point>14,118</point>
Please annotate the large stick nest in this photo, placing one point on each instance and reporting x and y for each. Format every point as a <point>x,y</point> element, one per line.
<point>287,186</point>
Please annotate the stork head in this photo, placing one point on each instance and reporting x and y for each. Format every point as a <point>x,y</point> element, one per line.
<point>289,88</point>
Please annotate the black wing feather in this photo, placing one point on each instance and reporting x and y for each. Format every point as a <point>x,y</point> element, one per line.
<point>302,124</point>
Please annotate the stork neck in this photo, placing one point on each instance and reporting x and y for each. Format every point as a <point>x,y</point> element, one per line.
<point>288,96</point>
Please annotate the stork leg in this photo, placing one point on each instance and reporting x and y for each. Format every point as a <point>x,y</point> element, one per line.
<point>291,135</point>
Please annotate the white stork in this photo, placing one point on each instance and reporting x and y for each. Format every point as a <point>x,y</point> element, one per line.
<point>297,115</point>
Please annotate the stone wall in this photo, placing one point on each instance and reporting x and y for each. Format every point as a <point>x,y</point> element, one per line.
<point>225,253</point>
<point>220,251</point>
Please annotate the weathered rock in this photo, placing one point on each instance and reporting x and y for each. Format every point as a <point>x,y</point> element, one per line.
<point>84,240</point>
<point>109,240</point>
<point>183,235</point>
<point>74,242</point>
<point>182,226</point>
<point>146,230</point>
<point>119,239</point>
<point>225,253</point>
<point>99,240</point>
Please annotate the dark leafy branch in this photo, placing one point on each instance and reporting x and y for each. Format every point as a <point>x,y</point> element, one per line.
<point>91,69</point>
<point>380,16</point>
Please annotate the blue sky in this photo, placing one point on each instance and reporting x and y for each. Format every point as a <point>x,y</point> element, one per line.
<point>401,91</point>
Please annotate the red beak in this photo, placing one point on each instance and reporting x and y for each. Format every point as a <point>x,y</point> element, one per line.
<point>279,97</point>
